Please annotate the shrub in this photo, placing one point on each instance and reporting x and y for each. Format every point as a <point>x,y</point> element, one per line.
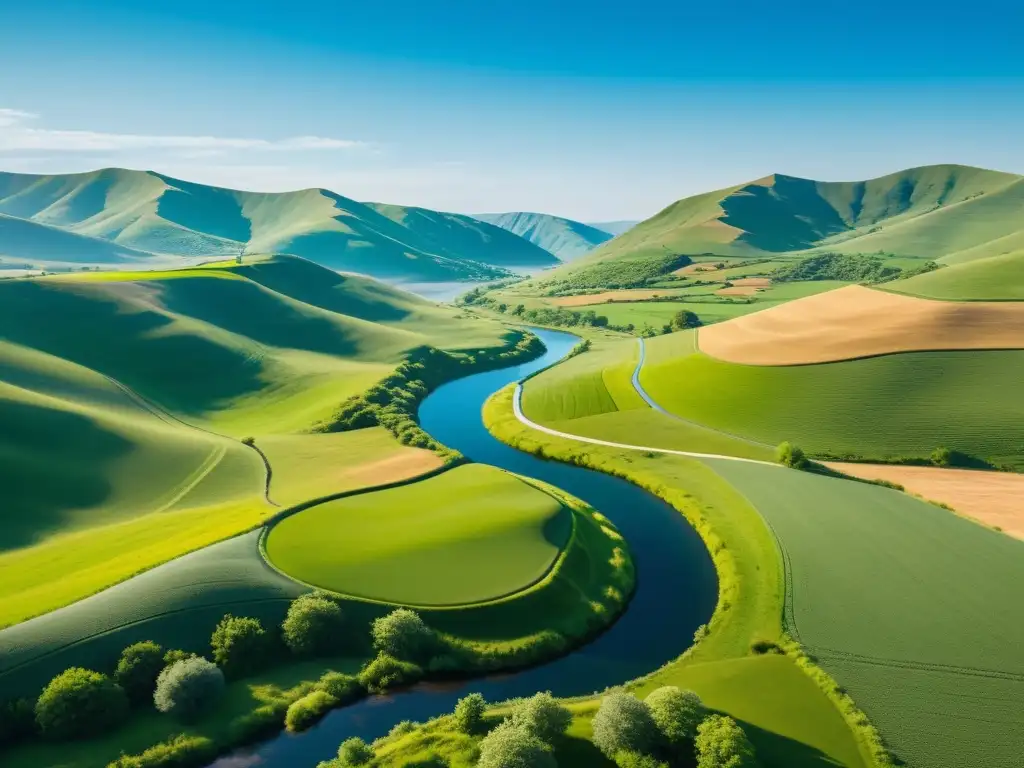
<point>186,688</point>
<point>623,724</point>
<point>542,716</point>
<point>403,634</point>
<point>313,625</point>
<point>942,457</point>
<point>761,646</point>
<point>469,713</point>
<point>386,672</point>
<point>259,724</point>
<point>174,655</point>
<point>684,318</point>
<point>676,713</point>
<point>309,709</point>
<point>510,746</point>
<point>181,751</point>
<point>402,728</point>
<point>137,670</point>
<point>791,455</point>
<point>240,645</point>
<point>345,688</point>
<point>721,743</point>
<point>78,703</point>
<point>638,760</point>
<point>17,721</point>
<point>354,751</point>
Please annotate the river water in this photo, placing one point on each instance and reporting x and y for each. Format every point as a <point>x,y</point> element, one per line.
<point>676,588</point>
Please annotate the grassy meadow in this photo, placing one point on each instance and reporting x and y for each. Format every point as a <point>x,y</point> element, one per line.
<point>993,278</point>
<point>893,596</point>
<point>416,544</point>
<point>902,405</point>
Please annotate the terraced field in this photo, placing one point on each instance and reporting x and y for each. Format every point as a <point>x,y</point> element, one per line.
<point>417,543</point>
<point>883,407</point>
<point>895,599</point>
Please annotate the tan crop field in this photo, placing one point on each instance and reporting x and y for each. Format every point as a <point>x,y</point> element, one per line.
<point>738,290</point>
<point>755,282</point>
<point>629,294</point>
<point>855,322</point>
<point>994,498</point>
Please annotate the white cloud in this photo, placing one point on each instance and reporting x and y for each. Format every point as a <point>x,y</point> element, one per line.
<point>16,136</point>
<point>13,116</point>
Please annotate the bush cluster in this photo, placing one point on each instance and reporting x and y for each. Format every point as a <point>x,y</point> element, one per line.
<point>392,402</point>
<point>181,750</point>
<point>790,455</point>
<point>240,646</point>
<point>386,672</point>
<point>137,670</point>
<point>78,703</point>
<point>308,710</point>
<point>189,687</point>
<point>313,625</point>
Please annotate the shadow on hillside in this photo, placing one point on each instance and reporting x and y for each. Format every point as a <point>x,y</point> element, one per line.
<point>52,463</point>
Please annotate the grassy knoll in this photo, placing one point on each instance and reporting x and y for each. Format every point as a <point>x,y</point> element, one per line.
<point>311,465</point>
<point>993,278</point>
<point>895,599</point>
<point>417,543</point>
<point>177,603</point>
<point>275,688</point>
<point>809,730</point>
<point>114,414</point>
<point>901,405</point>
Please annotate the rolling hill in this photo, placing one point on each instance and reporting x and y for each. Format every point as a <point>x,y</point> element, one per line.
<point>614,228</point>
<point>947,213</point>
<point>139,214</point>
<point>565,238</point>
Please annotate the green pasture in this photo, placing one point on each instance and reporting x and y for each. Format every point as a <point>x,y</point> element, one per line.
<point>898,600</point>
<point>993,278</point>
<point>177,604</point>
<point>307,466</point>
<point>902,405</point>
<point>470,535</point>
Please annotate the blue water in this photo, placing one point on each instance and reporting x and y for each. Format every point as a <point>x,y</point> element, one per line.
<point>676,590</point>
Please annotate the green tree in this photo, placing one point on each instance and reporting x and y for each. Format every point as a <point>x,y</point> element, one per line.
<point>791,455</point>
<point>511,746</point>
<point>942,456</point>
<point>137,670</point>
<point>542,716</point>
<point>721,743</point>
<point>676,713</point>
<point>79,703</point>
<point>240,645</point>
<point>313,625</point>
<point>469,713</point>
<point>684,318</point>
<point>188,687</point>
<point>404,635</point>
<point>623,724</point>
<point>354,752</point>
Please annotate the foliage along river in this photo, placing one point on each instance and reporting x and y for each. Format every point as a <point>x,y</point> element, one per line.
<point>676,585</point>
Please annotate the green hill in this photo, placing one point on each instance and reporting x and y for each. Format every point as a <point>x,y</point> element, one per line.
<point>26,243</point>
<point>997,277</point>
<point>613,228</point>
<point>141,213</point>
<point>565,238</point>
<point>947,213</point>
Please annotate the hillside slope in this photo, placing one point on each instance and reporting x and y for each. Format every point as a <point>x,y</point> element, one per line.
<point>945,212</point>
<point>161,215</point>
<point>25,243</point>
<point>565,238</point>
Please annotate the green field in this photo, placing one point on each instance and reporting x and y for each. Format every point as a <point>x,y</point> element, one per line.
<point>897,599</point>
<point>416,544</point>
<point>993,278</point>
<point>901,405</point>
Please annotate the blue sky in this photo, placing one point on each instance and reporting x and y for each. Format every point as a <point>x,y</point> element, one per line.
<point>591,110</point>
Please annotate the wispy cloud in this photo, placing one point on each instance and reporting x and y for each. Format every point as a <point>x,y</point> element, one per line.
<point>17,134</point>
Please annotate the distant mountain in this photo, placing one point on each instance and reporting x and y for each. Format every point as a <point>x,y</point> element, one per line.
<point>614,228</point>
<point>949,213</point>
<point>142,214</point>
<point>565,238</point>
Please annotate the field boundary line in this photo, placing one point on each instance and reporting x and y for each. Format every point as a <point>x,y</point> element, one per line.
<point>657,407</point>
<point>523,419</point>
<point>921,666</point>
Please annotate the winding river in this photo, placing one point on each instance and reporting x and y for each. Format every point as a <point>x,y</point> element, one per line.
<point>676,587</point>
